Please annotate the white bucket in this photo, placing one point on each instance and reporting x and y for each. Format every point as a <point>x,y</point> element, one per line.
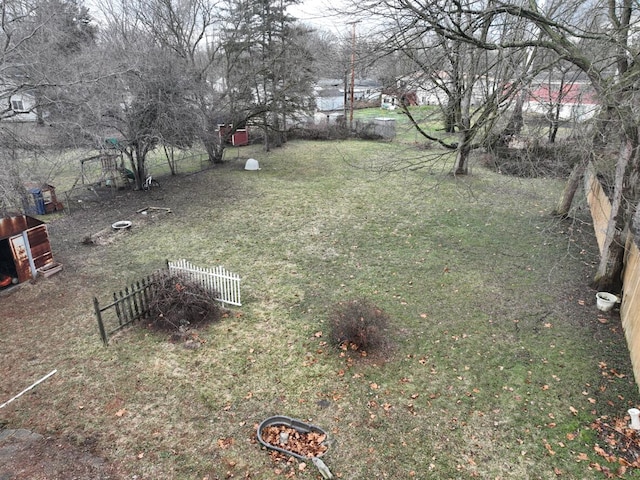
<point>606,301</point>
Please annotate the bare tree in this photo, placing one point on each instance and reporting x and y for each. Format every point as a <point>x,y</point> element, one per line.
<point>42,43</point>
<point>596,37</point>
<point>473,85</point>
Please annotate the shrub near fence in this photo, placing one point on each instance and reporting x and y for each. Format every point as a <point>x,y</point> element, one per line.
<point>600,207</point>
<point>132,303</point>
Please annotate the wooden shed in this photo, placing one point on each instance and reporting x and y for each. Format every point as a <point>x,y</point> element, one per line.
<point>25,250</point>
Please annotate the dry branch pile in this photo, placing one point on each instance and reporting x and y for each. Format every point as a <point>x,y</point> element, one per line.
<point>178,303</point>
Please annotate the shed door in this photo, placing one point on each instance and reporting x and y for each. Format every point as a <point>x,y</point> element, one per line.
<point>20,257</point>
<point>38,239</point>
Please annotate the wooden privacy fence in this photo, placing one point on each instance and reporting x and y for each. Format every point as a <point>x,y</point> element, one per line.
<point>132,303</point>
<point>600,207</point>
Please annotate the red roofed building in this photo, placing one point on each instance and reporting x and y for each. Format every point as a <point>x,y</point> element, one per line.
<point>570,101</point>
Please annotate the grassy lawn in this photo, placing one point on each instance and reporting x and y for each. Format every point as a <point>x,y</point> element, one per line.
<point>500,361</point>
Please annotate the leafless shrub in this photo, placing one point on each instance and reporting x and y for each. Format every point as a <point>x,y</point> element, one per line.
<point>334,131</point>
<point>359,325</point>
<point>535,159</point>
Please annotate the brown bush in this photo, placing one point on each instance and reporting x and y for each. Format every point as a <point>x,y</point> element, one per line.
<point>359,325</point>
<point>535,160</point>
<point>177,303</point>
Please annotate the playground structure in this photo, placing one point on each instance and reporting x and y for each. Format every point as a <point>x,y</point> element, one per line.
<point>100,176</point>
<point>104,169</point>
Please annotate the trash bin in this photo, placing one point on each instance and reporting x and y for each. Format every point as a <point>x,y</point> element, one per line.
<point>38,200</point>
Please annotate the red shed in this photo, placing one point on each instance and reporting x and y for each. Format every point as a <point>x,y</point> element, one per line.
<point>25,250</point>
<point>239,138</point>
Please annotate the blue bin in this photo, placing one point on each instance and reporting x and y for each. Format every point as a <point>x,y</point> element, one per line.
<point>38,200</point>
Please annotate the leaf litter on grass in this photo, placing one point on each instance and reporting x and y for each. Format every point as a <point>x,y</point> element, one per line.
<point>620,445</point>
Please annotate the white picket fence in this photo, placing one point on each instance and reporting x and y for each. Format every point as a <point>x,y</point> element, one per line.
<point>217,279</point>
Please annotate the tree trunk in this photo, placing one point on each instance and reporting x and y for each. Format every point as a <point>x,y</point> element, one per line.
<point>452,112</point>
<point>214,147</point>
<point>461,166</point>
<point>267,143</point>
<point>215,151</point>
<point>277,134</point>
<point>171,160</point>
<point>516,122</point>
<point>609,274</point>
<point>140,171</point>
<point>39,108</point>
<point>554,123</point>
<point>511,129</point>
<point>601,128</point>
<point>562,210</point>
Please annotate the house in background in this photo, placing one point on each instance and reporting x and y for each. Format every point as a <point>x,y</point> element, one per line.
<point>421,89</point>
<point>573,101</point>
<point>23,108</point>
<point>330,95</point>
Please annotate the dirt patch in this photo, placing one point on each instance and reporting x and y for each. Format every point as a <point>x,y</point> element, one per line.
<point>25,455</point>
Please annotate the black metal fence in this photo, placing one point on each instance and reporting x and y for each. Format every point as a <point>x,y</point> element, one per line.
<point>132,303</point>
<point>128,306</point>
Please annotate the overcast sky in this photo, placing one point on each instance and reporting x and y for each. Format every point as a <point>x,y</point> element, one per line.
<point>318,13</point>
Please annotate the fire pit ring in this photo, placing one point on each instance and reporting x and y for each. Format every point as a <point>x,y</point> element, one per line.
<point>121,225</point>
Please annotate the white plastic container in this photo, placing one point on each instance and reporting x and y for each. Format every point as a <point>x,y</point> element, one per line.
<point>252,164</point>
<point>606,301</point>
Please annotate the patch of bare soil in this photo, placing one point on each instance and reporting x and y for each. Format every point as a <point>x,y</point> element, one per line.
<point>25,455</point>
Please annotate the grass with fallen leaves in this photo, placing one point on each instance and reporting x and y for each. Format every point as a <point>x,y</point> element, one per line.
<point>499,364</point>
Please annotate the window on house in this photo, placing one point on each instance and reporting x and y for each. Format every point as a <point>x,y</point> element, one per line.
<point>17,106</point>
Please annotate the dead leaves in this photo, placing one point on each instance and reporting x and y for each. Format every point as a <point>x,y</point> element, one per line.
<point>610,372</point>
<point>306,444</point>
<point>549,448</point>
<point>620,444</point>
<point>224,443</point>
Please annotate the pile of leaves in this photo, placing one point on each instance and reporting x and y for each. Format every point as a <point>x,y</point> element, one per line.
<point>619,443</point>
<point>177,303</point>
<point>306,444</point>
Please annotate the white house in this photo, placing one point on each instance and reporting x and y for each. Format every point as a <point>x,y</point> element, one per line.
<point>330,93</point>
<point>22,108</point>
<point>421,89</point>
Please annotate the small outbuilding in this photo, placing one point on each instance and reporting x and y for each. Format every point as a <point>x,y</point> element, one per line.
<point>25,250</point>
<point>43,200</point>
